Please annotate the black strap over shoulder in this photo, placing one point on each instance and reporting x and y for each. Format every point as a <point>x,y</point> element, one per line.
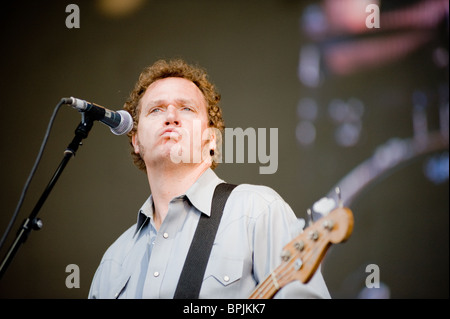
<point>191,277</point>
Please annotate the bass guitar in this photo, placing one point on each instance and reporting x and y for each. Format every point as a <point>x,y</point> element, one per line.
<point>302,256</point>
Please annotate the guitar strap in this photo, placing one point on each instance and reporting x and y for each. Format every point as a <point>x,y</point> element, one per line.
<point>191,277</point>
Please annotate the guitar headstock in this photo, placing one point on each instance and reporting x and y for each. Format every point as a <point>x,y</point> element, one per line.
<point>303,255</point>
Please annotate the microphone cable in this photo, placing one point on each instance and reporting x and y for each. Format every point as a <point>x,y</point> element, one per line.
<point>33,170</point>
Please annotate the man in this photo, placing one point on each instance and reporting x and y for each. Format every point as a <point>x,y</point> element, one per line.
<point>171,103</point>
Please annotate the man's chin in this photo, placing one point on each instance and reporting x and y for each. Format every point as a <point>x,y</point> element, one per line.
<point>174,153</point>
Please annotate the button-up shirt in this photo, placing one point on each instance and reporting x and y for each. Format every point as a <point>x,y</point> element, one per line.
<point>256,224</point>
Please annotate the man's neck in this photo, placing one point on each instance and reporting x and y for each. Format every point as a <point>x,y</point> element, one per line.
<point>169,182</point>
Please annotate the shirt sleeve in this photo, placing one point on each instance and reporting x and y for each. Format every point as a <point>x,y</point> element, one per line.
<point>111,276</point>
<point>273,229</point>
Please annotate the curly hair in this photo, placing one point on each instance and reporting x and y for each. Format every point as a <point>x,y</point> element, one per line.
<point>174,68</point>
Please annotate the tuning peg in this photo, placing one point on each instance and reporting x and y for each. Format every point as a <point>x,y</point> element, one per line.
<point>324,206</point>
<point>310,217</point>
<point>338,192</point>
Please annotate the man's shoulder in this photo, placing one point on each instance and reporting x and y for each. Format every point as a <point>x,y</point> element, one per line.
<point>258,192</point>
<point>119,246</point>
<point>260,202</point>
<point>257,199</point>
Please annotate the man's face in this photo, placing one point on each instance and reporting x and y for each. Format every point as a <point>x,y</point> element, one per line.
<point>172,119</point>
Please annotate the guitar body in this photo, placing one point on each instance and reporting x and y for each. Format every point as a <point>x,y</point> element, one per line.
<point>302,256</point>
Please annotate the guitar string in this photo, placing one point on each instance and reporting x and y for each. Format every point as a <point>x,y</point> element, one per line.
<point>266,285</point>
<point>284,269</point>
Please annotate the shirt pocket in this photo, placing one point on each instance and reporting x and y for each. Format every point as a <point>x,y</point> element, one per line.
<point>223,272</point>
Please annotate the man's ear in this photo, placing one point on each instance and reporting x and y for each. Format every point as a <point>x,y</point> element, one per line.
<point>210,135</point>
<point>135,142</point>
<point>213,140</point>
<point>212,148</point>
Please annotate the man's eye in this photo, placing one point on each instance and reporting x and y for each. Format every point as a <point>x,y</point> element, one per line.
<point>154,110</point>
<point>187,108</point>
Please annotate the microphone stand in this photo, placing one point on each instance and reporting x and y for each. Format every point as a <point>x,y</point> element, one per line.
<point>32,222</point>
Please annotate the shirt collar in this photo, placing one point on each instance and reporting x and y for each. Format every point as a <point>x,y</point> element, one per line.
<point>200,195</point>
<point>145,214</point>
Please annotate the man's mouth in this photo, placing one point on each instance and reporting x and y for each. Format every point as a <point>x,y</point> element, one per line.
<point>171,133</point>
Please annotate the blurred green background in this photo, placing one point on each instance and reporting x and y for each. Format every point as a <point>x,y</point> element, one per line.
<point>365,107</point>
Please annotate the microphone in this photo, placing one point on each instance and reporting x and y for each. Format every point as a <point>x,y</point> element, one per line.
<point>120,122</point>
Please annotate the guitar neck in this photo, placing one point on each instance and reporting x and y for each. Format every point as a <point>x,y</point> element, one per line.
<point>289,270</point>
<point>303,255</point>
<point>266,289</point>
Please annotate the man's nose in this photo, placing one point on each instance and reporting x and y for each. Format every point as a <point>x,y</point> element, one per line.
<point>172,116</point>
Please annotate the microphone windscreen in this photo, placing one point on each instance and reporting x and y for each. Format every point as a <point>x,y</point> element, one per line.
<point>125,125</point>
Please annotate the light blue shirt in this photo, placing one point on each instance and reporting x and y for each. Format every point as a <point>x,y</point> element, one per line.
<point>256,224</point>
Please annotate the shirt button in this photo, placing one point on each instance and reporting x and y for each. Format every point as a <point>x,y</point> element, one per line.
<point>226,278</point>
<point>156,274</point>
<point>166,235</point>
